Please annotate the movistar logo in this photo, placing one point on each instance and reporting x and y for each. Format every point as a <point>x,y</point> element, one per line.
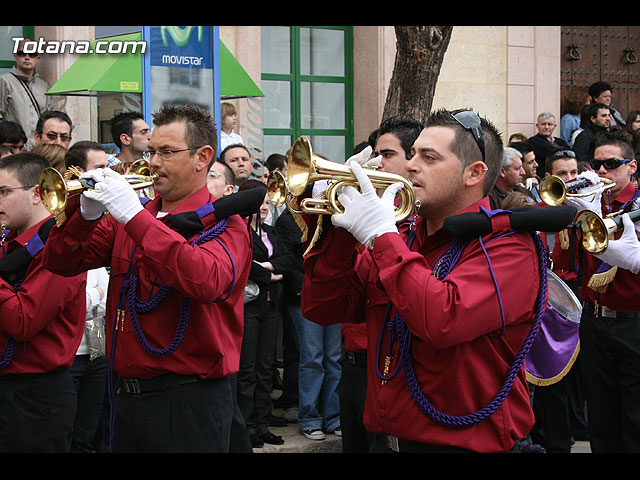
<point>179,35</point>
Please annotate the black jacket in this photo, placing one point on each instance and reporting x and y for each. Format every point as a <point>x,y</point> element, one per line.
<point>281,259</point>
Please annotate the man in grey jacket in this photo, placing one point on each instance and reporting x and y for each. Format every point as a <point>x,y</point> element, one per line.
<point>22,93</point>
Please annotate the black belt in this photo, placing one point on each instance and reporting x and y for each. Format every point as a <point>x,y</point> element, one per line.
<point>161,382</point>
<point>408,446</point>
<point>356,359</point>
<point>604,312</point>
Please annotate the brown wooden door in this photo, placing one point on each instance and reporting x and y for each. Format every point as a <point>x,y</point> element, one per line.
<point>607,53</point>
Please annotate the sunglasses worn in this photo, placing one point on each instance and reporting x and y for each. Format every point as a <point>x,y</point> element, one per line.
<point>609,163</point>
<point>23,54</point>
<point>470,121</point>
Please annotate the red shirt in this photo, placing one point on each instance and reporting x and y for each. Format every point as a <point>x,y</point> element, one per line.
<point>623,293</point>
<point>354,335</point>
<point>459,367</point>
<point>204,273</point>
<point>46,315</point>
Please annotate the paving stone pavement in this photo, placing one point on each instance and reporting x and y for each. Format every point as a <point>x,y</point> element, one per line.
<point>295,442</point>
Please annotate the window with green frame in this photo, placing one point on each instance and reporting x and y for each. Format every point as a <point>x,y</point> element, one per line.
<point>7,32</point>
<point>307,79</point>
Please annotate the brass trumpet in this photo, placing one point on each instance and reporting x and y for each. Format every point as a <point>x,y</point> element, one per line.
<point>553,189</point>
<point>596,229</point>
<point>304,168</point>
<point>55,190</point>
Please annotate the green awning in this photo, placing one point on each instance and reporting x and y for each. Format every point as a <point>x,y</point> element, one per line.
<point>235,82</point>
<point>94,72</point>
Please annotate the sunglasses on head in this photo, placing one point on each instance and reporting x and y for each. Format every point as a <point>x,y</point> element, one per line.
<point>609,163</point>
<point>563,153</point>
<point>470,121</point>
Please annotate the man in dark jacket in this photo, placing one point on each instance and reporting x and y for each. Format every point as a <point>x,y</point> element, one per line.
<point>599,120</point>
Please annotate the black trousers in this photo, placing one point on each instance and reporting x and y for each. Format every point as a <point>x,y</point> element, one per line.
<point>89,379</point>
<point>191,418</point>
<point>353,388</point>
<point>610,357</point>
<point>552,429</point>
<point>37,412</point>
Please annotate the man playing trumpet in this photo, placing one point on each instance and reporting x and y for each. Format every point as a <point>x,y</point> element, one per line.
<point>458,303</point>
<point>610,327</point>
<point>175,301</point>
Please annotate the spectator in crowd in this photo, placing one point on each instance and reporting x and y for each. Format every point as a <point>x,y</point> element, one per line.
<point>22,92</point>
<point>54,127</point>
<point>12,135</point>
<point>238,158</point>
<point>544,141</point>
<point>131,134</point>
<point>599,120</point>
<point>228,124</point>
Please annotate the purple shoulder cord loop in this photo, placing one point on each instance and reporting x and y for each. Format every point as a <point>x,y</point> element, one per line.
<point>404,338</point>
<point>128,295</point>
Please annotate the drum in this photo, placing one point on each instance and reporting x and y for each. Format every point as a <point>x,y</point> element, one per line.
<point>557,343</point>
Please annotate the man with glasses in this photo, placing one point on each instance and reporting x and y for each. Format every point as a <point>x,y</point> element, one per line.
<point>175,306</point>
<point>599,121</point>
<point>22,92</point>
<point>42,318</point>
<point>54,127</point>
<point>610,324</point>
<point>446,316</point>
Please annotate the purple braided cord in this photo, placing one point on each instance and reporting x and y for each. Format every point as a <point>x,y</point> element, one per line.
<point>404,338</point>
<point>135,305</point>
<point>8,353</point>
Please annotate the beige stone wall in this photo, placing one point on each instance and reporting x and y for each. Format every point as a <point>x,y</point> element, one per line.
<point>506,74</point>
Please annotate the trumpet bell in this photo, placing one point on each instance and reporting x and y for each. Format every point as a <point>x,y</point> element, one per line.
<point>553,190</point>
<point>55,191</point>
<point>277,188</point>
<point>595,232</point>
<point>305,168</point>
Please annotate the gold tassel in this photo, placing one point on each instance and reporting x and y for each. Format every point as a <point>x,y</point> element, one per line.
<point>316,235</point>
<point>600,281</point>
<point>61,218</point>
<point>563,235</point>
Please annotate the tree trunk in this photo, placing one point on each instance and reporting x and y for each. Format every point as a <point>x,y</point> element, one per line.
<point>419,54</point>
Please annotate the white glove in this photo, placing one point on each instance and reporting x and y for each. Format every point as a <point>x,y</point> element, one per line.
<point>91,209</point>
<point>364,158</point>
<point>318,188</point>
<point>635,206</point>
<point>624,252</point>
<point>591,202</point>
<point>366,215</point>
<point>115,193</point>
<point>594,180</point>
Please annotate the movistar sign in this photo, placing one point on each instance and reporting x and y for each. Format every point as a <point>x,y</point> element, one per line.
<point>188,47</point>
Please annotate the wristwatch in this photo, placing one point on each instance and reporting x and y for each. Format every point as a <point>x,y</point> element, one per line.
<point>372,241</point>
